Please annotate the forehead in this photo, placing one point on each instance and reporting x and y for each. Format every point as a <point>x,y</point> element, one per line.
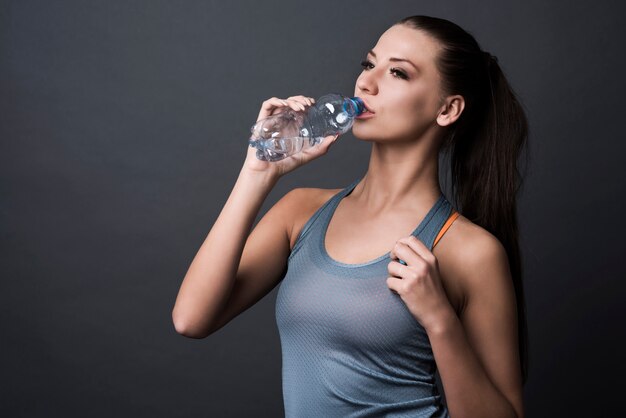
<point>401,41</point>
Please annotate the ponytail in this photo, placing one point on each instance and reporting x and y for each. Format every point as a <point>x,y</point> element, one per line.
<point>486,180</point>
<point>483,146</point>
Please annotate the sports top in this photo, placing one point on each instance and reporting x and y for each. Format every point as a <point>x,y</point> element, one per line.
<point>350,346</point>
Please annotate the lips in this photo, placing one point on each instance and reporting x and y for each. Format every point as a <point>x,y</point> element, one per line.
<point>368,109</point>
<point>365,115</point>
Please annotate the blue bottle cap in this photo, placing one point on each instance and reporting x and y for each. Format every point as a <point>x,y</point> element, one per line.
<point>359,106</point>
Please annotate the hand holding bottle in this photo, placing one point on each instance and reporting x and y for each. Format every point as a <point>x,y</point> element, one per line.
<point>274,106</point>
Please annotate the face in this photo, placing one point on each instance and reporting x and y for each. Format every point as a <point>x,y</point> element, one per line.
<point>401,85</point>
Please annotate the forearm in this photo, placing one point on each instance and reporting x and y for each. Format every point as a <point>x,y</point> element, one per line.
<point>469,391</point>
<point>210,277</point>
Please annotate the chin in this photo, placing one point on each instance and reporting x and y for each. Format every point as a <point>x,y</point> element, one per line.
<point>365,133</point>
<point>361,137</point>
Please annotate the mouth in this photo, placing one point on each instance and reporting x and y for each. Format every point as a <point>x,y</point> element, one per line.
<point>368,109</point>
<point>365,115</point>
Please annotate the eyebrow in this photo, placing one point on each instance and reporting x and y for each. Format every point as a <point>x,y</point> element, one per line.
<point>371,51</point>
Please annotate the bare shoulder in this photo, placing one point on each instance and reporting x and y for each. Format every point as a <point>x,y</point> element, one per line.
<point>469,257</point>
<point>476,262</point>
<point>300,204</point>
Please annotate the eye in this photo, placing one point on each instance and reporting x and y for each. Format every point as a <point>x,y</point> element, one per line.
<point>399,73</point>
<point>367,65</point>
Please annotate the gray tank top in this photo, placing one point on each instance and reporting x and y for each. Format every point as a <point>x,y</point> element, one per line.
<point>350,346</point>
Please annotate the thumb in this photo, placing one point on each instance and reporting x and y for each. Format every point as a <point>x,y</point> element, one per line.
<point>324,146</point>
<point>331,140</point>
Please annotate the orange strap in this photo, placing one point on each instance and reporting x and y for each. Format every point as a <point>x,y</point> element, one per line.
<point>445,227</point>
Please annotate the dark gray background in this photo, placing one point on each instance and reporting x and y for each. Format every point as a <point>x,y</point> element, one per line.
<point>123,126</point>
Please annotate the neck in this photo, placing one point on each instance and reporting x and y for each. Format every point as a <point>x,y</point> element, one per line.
<point>400,176</point>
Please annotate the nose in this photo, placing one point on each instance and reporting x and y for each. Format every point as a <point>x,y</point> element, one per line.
<point>367,83</point>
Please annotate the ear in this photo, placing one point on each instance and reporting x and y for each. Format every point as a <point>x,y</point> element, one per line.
<point>451,110</point>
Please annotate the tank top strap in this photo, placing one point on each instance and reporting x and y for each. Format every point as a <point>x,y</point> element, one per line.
<point>429,231</point>
<point>322,213</point>
<point>447,225</point>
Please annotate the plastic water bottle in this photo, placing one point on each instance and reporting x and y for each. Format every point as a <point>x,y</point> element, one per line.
<point>289,132</point>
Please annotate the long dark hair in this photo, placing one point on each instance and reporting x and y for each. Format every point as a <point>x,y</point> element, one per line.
<point>483,145</point>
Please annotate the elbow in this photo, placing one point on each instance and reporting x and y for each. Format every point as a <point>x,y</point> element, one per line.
<point>185,328</point>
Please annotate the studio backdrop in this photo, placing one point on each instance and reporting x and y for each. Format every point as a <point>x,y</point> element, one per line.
<point>123,127</point>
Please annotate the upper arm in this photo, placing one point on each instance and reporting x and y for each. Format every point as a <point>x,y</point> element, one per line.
<point>490,317</point>
<point>264,257</point>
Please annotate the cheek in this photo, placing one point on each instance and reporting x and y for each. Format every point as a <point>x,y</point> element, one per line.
<point>421,104</point>
<point>420,112</point>
<point>402,120</point>
<point>409,118</point>
<point>389,125</point>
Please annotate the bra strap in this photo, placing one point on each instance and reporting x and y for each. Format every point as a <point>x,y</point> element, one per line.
<point>447,225</point>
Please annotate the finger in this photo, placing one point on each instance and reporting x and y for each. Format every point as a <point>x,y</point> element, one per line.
<point>318,150</point>
<point>306,100</point>
<point>303,99</point>
<point>326,143</point>
<point>395,285</point>
<point>393,253</point>
<point>396,269</point>
<point>329,140</point>
<point>403,252</point>
<point>296,104</point>
<point>269,105</point>
<point>419,248</point>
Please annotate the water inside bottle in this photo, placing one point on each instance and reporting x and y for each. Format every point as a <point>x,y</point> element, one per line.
<point>285,145</point>
<point>275,149</point>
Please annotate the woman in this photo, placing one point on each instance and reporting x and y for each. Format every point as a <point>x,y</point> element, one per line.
<point>362,333</point>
